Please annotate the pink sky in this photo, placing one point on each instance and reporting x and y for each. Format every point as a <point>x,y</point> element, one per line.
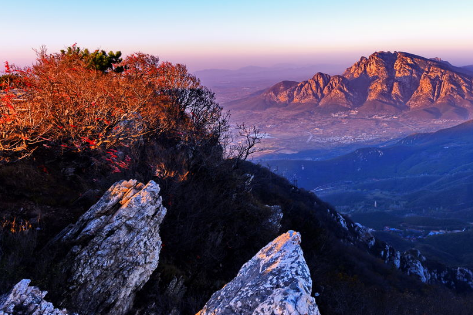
<point>216,34</point>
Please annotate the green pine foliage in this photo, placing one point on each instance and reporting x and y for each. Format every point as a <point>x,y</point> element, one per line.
<point>98,59</point>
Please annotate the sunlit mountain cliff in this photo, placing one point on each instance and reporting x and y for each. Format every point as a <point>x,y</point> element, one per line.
<point>385,82</point>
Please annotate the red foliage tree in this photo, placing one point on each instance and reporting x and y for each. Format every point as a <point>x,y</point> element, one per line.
<point>65,104</point>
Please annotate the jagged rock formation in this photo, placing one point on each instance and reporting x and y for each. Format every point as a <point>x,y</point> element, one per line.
<point>275,281</point>
<point>116,249</point>
<point>412,262</point>
<point>27,300</point>
<point>384,82</point>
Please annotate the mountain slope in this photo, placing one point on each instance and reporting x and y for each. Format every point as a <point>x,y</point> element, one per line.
<point>384,82</point>
<point>425,171</point>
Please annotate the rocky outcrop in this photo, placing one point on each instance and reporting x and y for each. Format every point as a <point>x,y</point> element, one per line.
<point>414,263</point>
<point>275,281</point>
<point>280,93</point>
<point>407,81</point>
<point>384,82</point>
<point>411,262</point>
<point>116,247</point>
<point>27,300</point>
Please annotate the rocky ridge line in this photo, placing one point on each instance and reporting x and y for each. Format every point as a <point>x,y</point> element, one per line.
<point>411,262</point>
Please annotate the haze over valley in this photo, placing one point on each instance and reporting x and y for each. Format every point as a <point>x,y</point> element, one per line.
<point>384,97</point>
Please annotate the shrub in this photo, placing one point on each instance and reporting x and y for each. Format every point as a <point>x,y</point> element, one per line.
<point>69,105</point>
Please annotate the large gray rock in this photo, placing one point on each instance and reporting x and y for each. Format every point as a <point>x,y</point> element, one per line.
<point>27,300</point>
<point>116,249</point>
<point>275,281</point>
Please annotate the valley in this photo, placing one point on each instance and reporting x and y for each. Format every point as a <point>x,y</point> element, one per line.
<point>312,136</point>
<point>416,192</point>
<point>422,173</point>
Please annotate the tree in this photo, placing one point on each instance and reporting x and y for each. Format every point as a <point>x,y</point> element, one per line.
<point>98,60</point>
<point>8,79</point>
<point>71,106</point>
<point>249,137</point>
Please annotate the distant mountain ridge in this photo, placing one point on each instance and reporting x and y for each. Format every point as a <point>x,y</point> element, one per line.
<point>230,85</point>
<point>384,82</point>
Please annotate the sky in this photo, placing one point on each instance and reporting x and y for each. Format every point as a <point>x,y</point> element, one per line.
<point>232,34</point>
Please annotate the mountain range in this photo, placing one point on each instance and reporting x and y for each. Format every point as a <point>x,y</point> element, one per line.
<point>384,83</point>
<point>230,85</point>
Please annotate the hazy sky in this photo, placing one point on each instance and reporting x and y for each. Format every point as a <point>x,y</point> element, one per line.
<point>231,34</point>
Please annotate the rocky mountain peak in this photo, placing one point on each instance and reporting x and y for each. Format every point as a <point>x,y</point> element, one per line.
<point>275,281</point>
<point>321,78</point>
<point>382,64</point>
<point>383,83</point>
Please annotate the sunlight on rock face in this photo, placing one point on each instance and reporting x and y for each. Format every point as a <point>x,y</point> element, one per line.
<point>275,281</point>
